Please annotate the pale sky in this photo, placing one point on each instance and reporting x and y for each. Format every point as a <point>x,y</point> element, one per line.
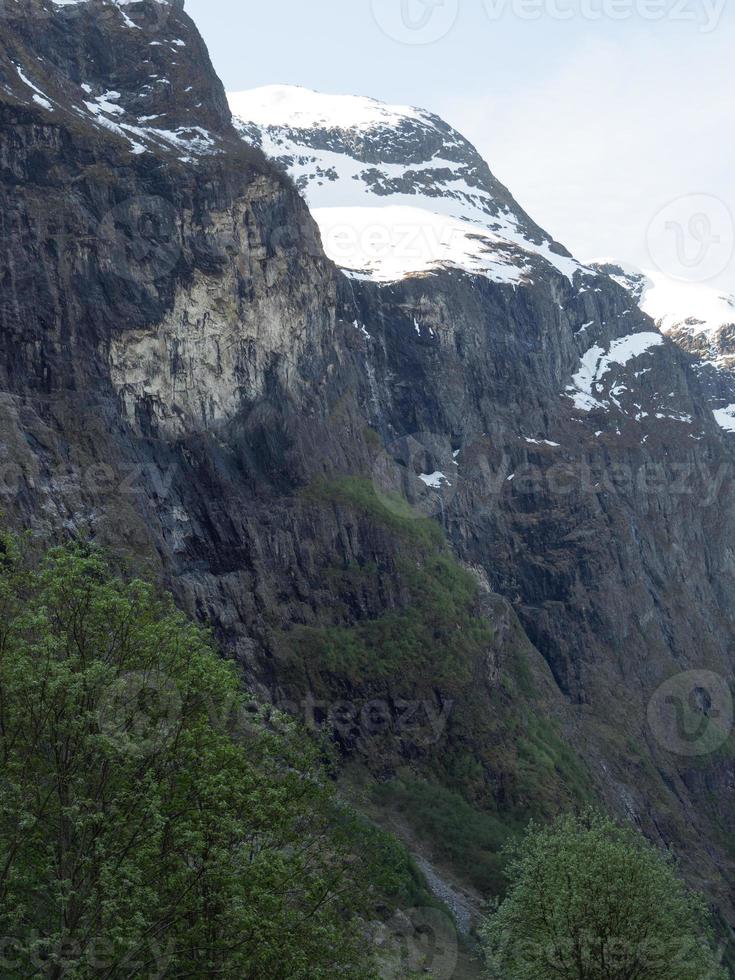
<point>596,113</point>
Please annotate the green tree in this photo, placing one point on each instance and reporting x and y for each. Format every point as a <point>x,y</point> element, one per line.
<point>153,822</point>
<point>591,900</point>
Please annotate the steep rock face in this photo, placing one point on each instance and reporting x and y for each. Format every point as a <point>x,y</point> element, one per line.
<point>604,517</point>
<point>174,290</point>
<point>134,70</point>
<point>569,448</point>
<point>185,376</point>
<point>252,319</point>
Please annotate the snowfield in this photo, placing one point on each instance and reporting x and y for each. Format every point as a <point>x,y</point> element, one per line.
<point>386,244</point>
<point>725,418</point>
<point>383,220</point>
<point>695,307</point>
<point>293,107</point>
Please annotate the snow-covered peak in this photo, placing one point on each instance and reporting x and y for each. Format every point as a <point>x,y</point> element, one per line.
<point>292,107</point>
<point>395,190</point>
<point>694,307</point>
<point>697,316</point>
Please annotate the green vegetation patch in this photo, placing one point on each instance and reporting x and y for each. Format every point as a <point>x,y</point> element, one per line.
<point>394,875</point>
<point>436,632</point>
<point>437,635</point>
<point>152,817</point>
<point>544,758</point>
<point>592,899</point>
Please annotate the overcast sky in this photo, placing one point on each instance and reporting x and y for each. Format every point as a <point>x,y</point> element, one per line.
<point>596,113</point>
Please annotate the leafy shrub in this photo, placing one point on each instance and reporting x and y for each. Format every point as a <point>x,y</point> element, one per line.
<point>591,900</point>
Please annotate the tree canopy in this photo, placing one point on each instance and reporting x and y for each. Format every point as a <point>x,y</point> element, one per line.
<point>591,900</point>
<point>153,822</point>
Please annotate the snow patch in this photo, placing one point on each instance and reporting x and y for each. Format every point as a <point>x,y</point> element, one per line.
<point>725,418</point>
<point>39,97</point>
<point>106,103</point>
<point>387,244</point>
<point>434,480</point>
<point>191,139</point>
<point>596,363</point>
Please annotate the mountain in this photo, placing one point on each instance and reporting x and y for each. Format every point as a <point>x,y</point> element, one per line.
<point>563,389</point>
<point>460,504</point>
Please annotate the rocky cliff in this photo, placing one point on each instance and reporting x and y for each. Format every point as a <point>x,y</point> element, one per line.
<point>460,503</point>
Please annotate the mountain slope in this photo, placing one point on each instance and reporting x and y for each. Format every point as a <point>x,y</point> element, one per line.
<point>396,193</point>
<point>567,446</point>
<point>177,386</point>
